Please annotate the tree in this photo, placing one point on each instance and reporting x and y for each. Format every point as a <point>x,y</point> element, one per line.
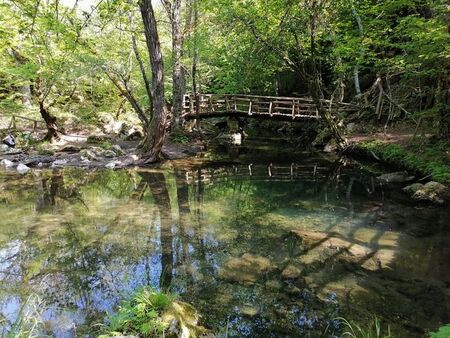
<point>173,9</point>
<point>156,130</point>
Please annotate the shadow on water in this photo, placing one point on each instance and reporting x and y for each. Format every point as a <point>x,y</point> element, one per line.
<point>261,248</point>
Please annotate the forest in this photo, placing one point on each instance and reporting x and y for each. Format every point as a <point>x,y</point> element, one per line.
<point>225,168</point>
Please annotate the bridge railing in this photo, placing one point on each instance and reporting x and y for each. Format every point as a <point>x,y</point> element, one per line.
<point>211,105</point>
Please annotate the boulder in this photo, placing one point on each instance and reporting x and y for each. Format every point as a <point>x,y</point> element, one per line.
<point>412,188</point>
<point>433,192</point>
<point>7,163</point>
<point>133,135</point>
<point>395,177</point>
<point>22,169</point>
<point>247,269</point>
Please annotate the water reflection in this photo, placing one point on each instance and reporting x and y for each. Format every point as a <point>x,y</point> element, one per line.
<point>261,249</point>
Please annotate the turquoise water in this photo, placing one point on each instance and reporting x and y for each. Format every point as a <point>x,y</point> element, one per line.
<point>263,245</point>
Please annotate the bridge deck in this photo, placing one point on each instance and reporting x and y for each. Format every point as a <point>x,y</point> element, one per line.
<point>266,107</point>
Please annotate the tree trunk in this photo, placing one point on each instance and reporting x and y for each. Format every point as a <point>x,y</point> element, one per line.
<point>356,67</point>
<point>177,71</point>
<point>444,110</point>
<point>155,132</point>
<point>52,127</point>
<point>157,184</point>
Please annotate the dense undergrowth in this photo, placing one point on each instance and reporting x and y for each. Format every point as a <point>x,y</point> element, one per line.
<point>427,158</point>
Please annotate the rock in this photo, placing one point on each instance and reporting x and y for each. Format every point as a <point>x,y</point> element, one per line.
<point>249,311</point>
<point>58,163</point>
<point>291,272</point>
<point>118,150</point>
<point>351,127</point>
<point>113,127</point>
<point>395,177</point>
<point>9,141</point>
<point>110,165</point>
<point>273,285</point>
<point>133,135</point>
<point>89,155</point>
<point>70,149</point>
<point>4,148</point>
<point>7,163</point>
<point>22,169</point>
<point>433,192</point>
<point>134,157</point>
<point>321,245</point>
<point>109,153</point>
<point>97,139</point>
<point>293,290</point>
<point>247,269</point>
<point>411,189</point>
<point>330,147</point>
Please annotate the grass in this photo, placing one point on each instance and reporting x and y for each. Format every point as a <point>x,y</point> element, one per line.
<point>28,323</point>
<point>353,330</point>
<point>428,158</point>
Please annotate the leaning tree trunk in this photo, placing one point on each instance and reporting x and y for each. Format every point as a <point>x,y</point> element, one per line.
<point>52,127</point>
<point>155,132</point>
<point>177,71</point>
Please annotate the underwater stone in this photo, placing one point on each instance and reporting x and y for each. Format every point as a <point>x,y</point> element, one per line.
<point>245,270</point>
<point>291,272</point>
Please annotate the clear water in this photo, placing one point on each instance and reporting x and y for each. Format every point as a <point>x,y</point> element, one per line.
<point>278,253</point>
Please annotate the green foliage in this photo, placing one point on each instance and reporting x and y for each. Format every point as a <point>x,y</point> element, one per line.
<point>443,332</point>
<point>428,159</point>
<point>374,329</point>
<point>141,315</point>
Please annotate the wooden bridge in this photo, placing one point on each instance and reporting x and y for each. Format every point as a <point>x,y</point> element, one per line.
<point>258,172</point>
<point>265,107</point>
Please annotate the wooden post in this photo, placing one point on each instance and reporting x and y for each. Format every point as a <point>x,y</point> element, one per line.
<point>270,108</point>
<point>250,108</point>
<point>293,109</point>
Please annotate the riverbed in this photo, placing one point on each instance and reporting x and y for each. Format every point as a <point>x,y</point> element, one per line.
<point>262,242</point>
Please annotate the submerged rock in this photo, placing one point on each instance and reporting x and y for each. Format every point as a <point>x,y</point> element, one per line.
<point>321,246</point>
<point>433,192</point>
<point>395,177</point>
<point>22,169</point>
<point>291,272</point>
<point>183,321</point>
<point>247,269</point>
<point>249,311</point>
